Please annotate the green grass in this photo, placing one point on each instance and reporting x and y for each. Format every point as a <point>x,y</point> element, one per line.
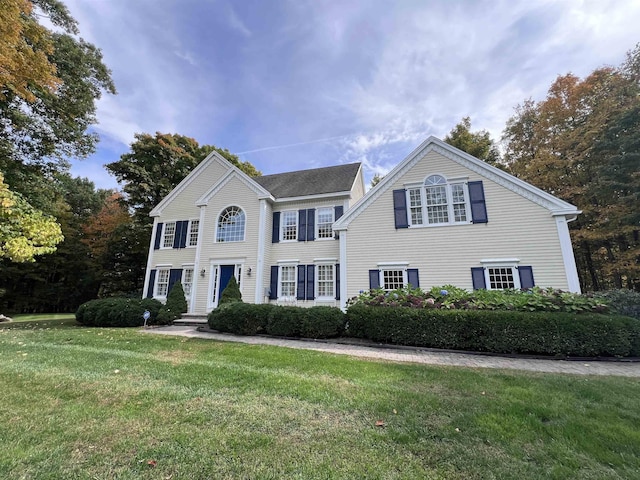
<point>103,403</point>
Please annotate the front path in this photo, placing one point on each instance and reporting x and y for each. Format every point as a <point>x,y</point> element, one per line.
<point>420,356</point>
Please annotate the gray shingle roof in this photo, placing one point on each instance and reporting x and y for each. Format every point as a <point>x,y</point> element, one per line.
<point>310,182</point>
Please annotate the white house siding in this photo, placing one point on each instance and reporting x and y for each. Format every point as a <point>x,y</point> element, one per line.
<point>237,193</point>
<point>517,228</point>
<point>304,252</point>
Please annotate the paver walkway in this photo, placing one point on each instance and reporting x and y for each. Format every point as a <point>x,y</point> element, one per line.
<point>420,356</point>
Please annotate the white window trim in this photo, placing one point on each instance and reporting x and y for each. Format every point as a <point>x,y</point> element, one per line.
<point>450,211</point>
<point>387,266</point>
<point>295,212</point>
<point>511,263</point>
<point>185,267</point>
<point>164,229</point>
<point>280,297</point>
<point>325,298</point>
<point>159,268</point>
<point>214,269</point>
<point>188,242</point>
<point>246,221</point>
<point>317,223</point>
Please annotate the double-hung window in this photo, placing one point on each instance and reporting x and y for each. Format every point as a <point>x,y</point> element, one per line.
<point>438,201</point>
<point>287,283</point>
<point>187,281</point>
<point>324,222</point>
<point>162,282</point>
<point>325,278</point>
<point>501,278</point>
<point>289,225</point>
<point>192,239</point>
<point>169,234</point>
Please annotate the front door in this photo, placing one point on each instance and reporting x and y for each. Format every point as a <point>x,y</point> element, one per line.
<point>226,272</point>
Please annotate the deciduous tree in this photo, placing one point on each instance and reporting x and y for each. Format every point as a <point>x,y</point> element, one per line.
<point>479,144</point>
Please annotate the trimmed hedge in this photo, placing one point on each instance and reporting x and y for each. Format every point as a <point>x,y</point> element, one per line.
<point>282,321</point>
<point>117,312</point>
<point>499,331</point>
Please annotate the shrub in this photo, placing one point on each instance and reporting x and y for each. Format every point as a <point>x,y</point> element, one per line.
<point>117,312</point>
<point>624,302</point>
<point>175,305</point>
<point>231,292</point>
<point>451,297</point>
<point>560,333</point>
<point>240,318</point>
<point>285,321</point>
<point>322,322</point>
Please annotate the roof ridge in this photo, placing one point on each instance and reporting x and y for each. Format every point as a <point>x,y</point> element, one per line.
<point>310,169</point>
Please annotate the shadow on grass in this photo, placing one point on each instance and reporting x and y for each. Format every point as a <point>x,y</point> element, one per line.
<point>56,320</point>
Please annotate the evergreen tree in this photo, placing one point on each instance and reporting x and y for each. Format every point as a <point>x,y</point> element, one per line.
<point>231,293</point>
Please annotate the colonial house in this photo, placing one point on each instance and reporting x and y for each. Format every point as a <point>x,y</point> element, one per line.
<point>313,237</point>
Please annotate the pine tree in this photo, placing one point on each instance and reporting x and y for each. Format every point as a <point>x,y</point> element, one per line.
<point>175,305</point>
<point>231,293</point>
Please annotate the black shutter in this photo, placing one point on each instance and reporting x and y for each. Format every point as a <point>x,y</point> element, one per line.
<point>302,225</point>
<point>310,282</point>
<point>477,276</point>
<point>478,204</point>
<point>180,238</point>
<point>374,279</point>
<point>301,282</point>
<point>337,282</point>
<point>152,281</point>
<point>338,212</point>
<point>175,274</point>
<point>400,208</point>
<point>526,277</point>
<point>311,224</point>
<point>275,229</point>
<point>156,245</point>
<point>412,277</point>
<point>273,284</point>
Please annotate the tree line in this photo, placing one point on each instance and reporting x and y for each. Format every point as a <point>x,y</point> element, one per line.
<point>62,241</point>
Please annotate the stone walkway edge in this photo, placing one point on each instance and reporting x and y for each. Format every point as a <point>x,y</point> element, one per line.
<point>397,353</point>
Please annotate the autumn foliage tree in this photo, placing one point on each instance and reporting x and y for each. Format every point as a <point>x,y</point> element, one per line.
<point>582,143</point>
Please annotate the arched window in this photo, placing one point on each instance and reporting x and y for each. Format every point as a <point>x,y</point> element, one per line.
<point>439,202</point>
<point>231,225</point>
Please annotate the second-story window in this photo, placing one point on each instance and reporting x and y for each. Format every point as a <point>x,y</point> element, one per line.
<point>231,224</point>
<point>289,228</point>
<point>169,234</point>
<point>325,222</point>
<point>192,240</point>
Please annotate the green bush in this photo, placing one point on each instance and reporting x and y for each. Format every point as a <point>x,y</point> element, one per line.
<point>175,305</point>
<point>285,321</point>
<point>117,312</point>
<point>624,302</point>
<point>240,318</point>
<point>560,333</point>
<point>231,292</point>
<point>322,322</point>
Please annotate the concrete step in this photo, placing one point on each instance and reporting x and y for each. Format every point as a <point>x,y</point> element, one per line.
<point>191,319</point>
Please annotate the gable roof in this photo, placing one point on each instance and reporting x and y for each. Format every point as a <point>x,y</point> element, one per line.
<point>232,170</point>
<point>555,205</point>
<point>316,181</point>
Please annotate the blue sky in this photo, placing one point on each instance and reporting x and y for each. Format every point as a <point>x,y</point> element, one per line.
<point>297,84</point>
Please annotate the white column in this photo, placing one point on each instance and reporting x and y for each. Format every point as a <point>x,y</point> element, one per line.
<point>262,235</point>
<point>149,258</point>
<point>196,263</point>
<point>567,255</point>
<point>343,270</point>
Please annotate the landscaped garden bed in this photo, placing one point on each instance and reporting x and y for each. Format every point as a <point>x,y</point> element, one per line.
<point>538,321</point>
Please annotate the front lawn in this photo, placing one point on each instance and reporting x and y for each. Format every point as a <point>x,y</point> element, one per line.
<point>115,403</point>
